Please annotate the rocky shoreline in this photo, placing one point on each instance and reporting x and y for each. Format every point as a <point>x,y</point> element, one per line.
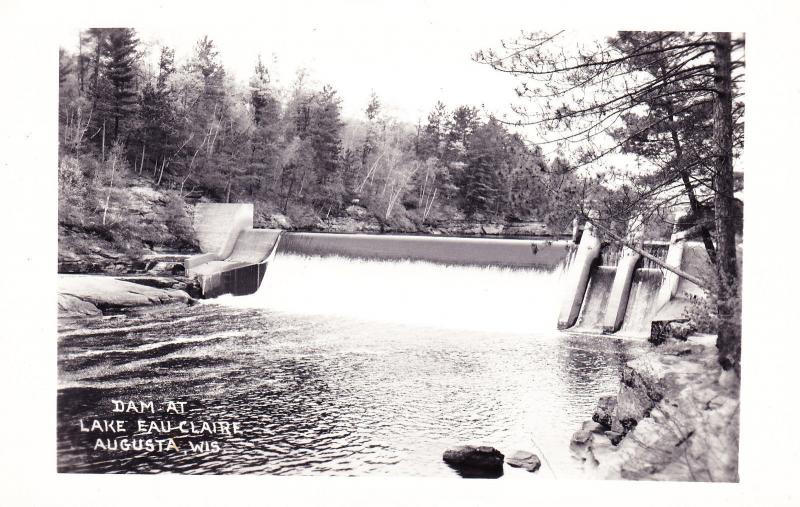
<point>675,417</point>
<point>81,296</point>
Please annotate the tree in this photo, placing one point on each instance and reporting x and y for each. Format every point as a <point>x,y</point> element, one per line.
<point>265,141</point>
<point>323,133</point>
<point>121,53</point>
<point>157,112</point>
<point>464,121</point>
<point>633,91</point>
<point>480,185</point>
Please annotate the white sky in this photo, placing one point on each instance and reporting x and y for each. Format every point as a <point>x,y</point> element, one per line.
<point>411,58</point>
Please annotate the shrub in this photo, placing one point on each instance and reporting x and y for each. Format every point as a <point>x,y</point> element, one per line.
<point>703,313</point>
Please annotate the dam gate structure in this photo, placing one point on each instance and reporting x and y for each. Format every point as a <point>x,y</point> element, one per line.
<point>604,290</point>
<point>618,291</point>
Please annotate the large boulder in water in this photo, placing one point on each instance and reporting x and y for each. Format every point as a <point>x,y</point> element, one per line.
<point>475,461</point>
<point>526,460</point>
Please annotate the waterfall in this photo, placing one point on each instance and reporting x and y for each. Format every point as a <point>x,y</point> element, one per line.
<point>642,301</point>
<point>492,298</point>
<point>594,303</point>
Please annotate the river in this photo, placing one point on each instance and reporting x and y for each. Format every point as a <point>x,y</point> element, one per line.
<point>343,367</point>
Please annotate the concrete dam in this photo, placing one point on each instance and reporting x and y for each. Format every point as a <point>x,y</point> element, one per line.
<point>587,287</point>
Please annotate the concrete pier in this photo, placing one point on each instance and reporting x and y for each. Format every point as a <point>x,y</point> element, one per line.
<point>620,291</point>
<point>669,285</point>
<point>578,277</point>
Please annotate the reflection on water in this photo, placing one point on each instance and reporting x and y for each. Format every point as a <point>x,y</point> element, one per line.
<point>322,394</point>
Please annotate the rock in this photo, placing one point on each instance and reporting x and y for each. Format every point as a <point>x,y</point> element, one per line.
<point>279,221</point>
<point>70,306</point>
<point>526,460</point>
<point>493,229</point>
<point>592,427</point>
<point>189,285</point>
<point>615,437</point>
<point>580,438</point>
<point>680,330</point>
<point>637,396</point>
<point>662,330</point>
<point>604,413</point>
<point>527,229</point>
<point>475,461</point>
<point>356,211</point>
<point>107,293</point>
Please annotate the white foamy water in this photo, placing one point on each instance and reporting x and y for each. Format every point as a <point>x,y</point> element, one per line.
<point>410,292</point>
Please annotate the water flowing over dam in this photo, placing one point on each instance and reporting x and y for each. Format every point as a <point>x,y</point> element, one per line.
<point>411,292</point>
<point>511,284</point>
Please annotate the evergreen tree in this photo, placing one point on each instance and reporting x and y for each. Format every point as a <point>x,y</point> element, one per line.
<point>323,134</point>
<point>480,183</point>
<point>121,53</point>
<point>266,136</point>
<point>157,112</point>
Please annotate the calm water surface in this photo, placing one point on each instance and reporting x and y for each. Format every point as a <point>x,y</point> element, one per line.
<point>319,388</point>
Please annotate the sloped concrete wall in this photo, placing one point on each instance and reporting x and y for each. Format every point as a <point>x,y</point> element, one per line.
<point>218,225</point>
<point>254,245</point>
<point>620,291</point>
<point>578,277</point>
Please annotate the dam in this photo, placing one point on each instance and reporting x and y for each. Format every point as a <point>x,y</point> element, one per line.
<point>600,288</point>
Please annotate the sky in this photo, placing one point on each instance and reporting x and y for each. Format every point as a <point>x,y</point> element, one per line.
<point>410,58</point>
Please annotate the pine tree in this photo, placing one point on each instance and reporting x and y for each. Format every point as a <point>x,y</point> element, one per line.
<point>121,53</point>
<point>480,183</point>
<point>323,133</point>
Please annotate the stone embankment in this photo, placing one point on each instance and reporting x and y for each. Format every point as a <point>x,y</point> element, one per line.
<point>675,417</point>
<point>94,295</point>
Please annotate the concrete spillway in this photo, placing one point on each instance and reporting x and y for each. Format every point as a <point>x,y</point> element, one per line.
<point>626,296</point>
<point>595,303</point>
<point>517,253</point>
<point>642,302</point>
<point>235,256</point>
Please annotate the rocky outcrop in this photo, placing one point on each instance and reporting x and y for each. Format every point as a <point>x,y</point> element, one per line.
<point>661,331</point>
<point>70,306</point>
<point>525,460</point>
<point>676,417</point>
<point>183,283</point>
<point>90,295</point>
<point>475,461</point>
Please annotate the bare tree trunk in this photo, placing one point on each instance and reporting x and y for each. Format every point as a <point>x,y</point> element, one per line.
<point>80,63</point>
<point>729,329</point>
<point>110,187</point>
<point>161,173</point>
<point>104,142</point>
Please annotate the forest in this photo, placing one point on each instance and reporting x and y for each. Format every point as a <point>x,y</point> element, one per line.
<point>190,130</point>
